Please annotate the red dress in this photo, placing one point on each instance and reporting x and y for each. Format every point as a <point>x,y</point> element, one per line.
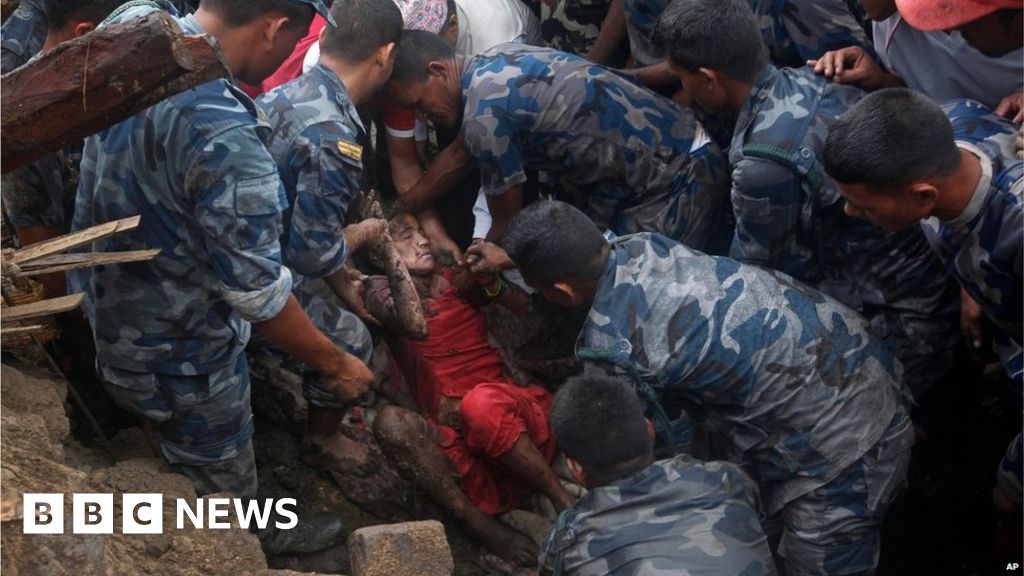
<point>454,371</point>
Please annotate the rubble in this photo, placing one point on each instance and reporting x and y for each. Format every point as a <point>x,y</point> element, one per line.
<point>406,548</point>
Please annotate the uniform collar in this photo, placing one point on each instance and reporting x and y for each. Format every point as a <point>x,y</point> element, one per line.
<point>977,201</point>
<point>337,92</point>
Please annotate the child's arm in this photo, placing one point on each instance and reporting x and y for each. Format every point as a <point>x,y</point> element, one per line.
<point>379,302</point>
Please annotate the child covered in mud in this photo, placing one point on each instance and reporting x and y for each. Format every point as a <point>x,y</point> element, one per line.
<point>493,434</point>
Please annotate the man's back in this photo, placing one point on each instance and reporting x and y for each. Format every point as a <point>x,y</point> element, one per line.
<point>313,140</point>
<point>609,144</point>
<point>193,167</point>
<point>673,515</point>
<point>790,217</point>
<point>791,379</point>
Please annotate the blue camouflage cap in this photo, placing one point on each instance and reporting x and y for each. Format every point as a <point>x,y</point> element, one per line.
<point>321,8</point>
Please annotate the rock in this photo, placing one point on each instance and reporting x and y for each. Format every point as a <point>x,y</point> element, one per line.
<point>406,548</point>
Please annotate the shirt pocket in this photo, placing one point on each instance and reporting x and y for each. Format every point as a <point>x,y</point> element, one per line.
<point>248,213</point>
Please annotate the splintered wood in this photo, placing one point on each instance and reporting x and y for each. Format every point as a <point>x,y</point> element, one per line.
<point>95,81</point>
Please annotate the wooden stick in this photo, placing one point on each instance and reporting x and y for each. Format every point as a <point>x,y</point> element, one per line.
<point>14,330</point>
<point>95,81</point>
<point>41,308</point>
<point>73,240</point>
<point>65,262</point>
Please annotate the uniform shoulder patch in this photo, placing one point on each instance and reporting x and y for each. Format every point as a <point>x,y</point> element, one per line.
<point>353,151</point>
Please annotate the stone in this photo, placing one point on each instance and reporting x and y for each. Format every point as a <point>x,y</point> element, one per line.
<point>406,548</point>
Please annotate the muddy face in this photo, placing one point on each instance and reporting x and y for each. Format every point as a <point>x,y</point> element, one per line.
<point>412,245</point>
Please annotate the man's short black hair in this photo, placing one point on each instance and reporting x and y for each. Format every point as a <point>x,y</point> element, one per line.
<point>60,12</point>
<point>416,51</point>
<point>599,422</point>
<point>237,13</point>
<point>721,35</point>
<point>363,27</point>
<point>551,241</point>
<point>891,138</point>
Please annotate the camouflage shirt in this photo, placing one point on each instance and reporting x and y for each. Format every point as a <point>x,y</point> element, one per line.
<point>194,168</point>
<point>788,378</point>
<point>572,25</point>
<point>314,142</point>
<point>23,34</point>
<point>43,192</point>
<point>982,246</point>
<point>632,160</point>
<point>641,16</point>
<point>796,31</point>
<point>672,515</point>
<point>789,216</point>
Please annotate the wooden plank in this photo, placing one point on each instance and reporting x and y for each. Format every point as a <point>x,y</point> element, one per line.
<point>65,262</point>
<point>73,240</point>
<point>92,82</point>
<point>41,308</point>
<point>21,330</point>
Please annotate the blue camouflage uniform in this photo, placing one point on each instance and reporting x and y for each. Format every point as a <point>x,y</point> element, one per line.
<point>630,159</point>
<point>641,16</point>
<point>43,192</point>
<point>796,31</point>
<point>801,395</point>
<point>170,332</point>
<point>23,34</point>
<point>982,246</point>
<point>789,216</point>
<point>673,514</point>
<point>314,140</point>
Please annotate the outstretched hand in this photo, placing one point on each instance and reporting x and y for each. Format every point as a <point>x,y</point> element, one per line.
<point>853,65</point>
<point>484,257</point>
<point>1012,107</point>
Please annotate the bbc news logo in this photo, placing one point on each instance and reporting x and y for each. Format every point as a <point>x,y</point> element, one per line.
<point>144,513</point>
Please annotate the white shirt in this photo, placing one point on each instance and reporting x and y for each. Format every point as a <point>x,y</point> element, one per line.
<point>945,66</point>
<point>484,24</point>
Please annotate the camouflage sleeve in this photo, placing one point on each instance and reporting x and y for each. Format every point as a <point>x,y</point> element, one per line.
<point>33,195</point>
<point>327,180</point>
<point>22,35</point>
<point>490,141</point>
<point>238,203</point>
<point>766,202</point>
<point>817,26</point>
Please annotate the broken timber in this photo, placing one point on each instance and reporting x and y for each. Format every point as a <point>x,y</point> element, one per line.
<point>95,81</point>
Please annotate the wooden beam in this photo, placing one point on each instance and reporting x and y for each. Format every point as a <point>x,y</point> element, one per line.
<point>73,240</point>
<point>74,261</point>
<point>92,82</point>
<point>41,308</point>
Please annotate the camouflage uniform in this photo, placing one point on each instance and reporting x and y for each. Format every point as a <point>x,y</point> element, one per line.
<point>789,216</point>
<point>982,246</point>
<point>630,159</point>
<point>641,16</point>
<point>796,31</point>
<point>673,514</point>
<point>170,332</point>
<point>43,192</point>
<point>573,25</point>
<point>314,140</point>
<point>23,34</point>
<point>790,381</point>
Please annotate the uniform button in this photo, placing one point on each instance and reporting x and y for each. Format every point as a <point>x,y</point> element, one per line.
<point>805,152</point>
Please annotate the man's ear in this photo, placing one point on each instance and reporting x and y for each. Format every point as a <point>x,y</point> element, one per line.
<point>923,195</point>
<point>567,290</point>
<point>273,26</point>
<point>82,28</point>
<point>577,471</point>
<point>438,68</point>
<point>709,78</point>
<point>385,53</point>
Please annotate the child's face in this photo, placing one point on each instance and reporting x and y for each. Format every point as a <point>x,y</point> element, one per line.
<point>412,245</point>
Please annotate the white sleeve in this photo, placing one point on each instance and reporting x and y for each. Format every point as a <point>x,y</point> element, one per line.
<point>481,216</point>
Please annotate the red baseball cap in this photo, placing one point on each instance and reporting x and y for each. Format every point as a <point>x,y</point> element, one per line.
<point>933,15</point>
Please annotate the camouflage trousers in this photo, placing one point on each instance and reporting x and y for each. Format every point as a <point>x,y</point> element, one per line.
<point>835,529</point>
<point>201,424</point>
<point>344,328</point>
